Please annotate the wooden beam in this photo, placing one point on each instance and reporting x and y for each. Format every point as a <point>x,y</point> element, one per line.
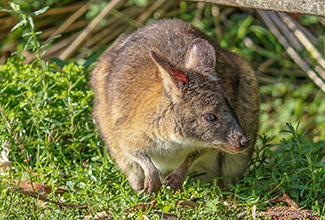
<point>310,7</point>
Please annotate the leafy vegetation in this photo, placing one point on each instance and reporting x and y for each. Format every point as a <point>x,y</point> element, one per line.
<point>46,121</point>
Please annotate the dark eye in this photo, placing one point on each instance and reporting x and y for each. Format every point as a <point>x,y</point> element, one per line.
<point>210,117</point>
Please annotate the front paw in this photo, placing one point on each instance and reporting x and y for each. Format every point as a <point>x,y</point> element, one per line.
<point>152,184</point>
<point>175,180</point>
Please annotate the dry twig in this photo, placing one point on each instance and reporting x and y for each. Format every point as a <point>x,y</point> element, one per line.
<point>44,197</point>
<point>291,211</point>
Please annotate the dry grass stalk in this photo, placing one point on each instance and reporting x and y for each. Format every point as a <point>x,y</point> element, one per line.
<point>266,16</point>
<point>76,44</point>
<point>302,37</point>
<point>71,19</point>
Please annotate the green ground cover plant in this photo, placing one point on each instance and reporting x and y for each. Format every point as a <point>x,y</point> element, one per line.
<point>45,119</point>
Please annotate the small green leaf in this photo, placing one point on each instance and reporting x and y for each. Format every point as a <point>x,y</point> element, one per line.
<point>21,23</point>
<point>60,62</point>
<point>48,42</point>
<point>27,34</point>
<point>15,6</point>
<point>87,137</point>
<point>305,131</point>
<point>16,52</point>
<point>284,131</point>
<point>27,45</point>
<point>5,10</point>
<point>31,22</point>
<point>42,10</point>
<point>289,126</point>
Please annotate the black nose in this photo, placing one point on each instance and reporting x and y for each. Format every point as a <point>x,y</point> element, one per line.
<point>243,142</point>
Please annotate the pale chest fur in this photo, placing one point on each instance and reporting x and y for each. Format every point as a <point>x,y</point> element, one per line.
<point>172,155</point>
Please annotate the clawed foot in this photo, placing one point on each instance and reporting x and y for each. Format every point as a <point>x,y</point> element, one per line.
<point>175,181</point>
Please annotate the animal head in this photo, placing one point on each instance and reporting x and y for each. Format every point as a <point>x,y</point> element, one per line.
<point>200,109</point>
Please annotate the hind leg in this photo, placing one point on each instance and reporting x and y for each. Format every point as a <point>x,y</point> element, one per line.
<point>135,176</point>
<point>141,172</point>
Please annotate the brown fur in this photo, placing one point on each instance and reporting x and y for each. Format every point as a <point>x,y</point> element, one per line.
<point>153,90</point>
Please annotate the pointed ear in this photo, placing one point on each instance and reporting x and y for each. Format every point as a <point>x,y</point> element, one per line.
<point>175,82</point>
<point>200,56</point>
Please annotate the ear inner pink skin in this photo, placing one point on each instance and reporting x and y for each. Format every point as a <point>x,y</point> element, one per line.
<point>179,75</point>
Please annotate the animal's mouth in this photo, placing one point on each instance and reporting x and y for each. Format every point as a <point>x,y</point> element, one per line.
<point>230,149</point>
<point>235,143</point>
